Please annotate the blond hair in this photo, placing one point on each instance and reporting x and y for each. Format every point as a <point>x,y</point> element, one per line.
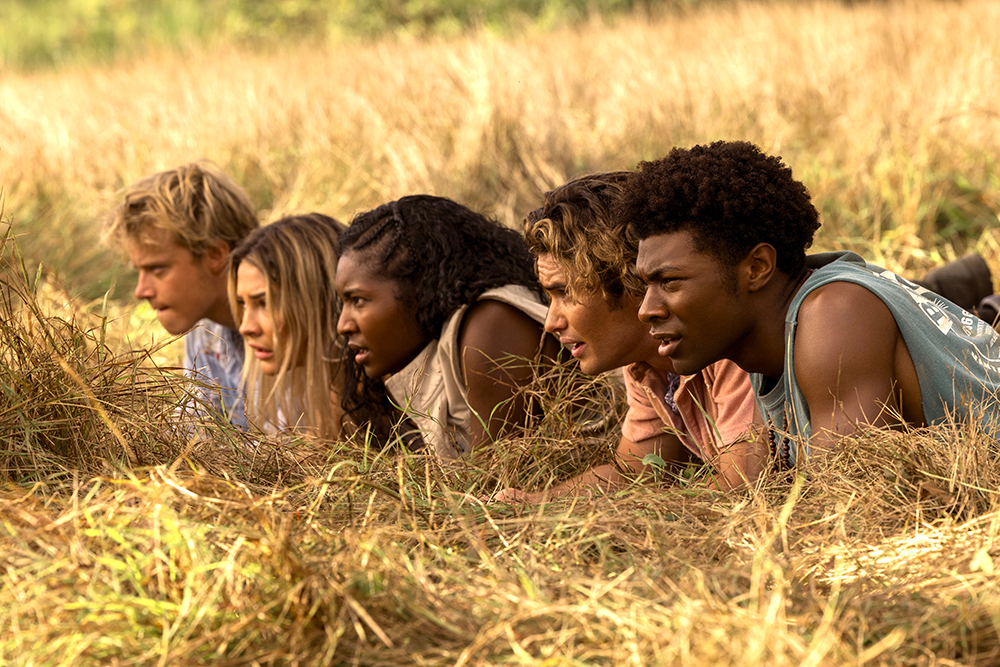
<point>575,225</point>
<point>196,205</point>
<point>298,259</point>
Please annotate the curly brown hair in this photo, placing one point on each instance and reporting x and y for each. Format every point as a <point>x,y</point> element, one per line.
<point>729,195</point>
<point>574,224</point>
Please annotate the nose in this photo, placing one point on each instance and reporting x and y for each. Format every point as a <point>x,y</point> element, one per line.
<point>652,308</point>
<point>345,323</point>
<point>555,320</point>
<point>249,326</point>
<point>144,286</point>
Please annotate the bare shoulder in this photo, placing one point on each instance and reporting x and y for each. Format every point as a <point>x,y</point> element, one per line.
<point>495,327</point>
<point>829,311</point>
<point>840,298</point>
<point>844,324</point>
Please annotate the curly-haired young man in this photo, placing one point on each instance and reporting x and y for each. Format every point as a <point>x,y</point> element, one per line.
<point>178,228</point>
<point>831,344</point>
<point>586,264</point>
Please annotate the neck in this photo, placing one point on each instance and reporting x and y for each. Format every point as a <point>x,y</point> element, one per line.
<point>221,313</point>
<point>770,341</point>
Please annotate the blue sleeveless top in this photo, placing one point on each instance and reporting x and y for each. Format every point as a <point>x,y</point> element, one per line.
<point>956,355</point>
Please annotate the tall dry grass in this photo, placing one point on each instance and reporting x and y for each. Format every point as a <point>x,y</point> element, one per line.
<point>888,111</point>
<point>131,536</point>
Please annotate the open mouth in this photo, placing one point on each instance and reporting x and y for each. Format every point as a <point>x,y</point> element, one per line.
<point>361,354</point>
<point>667,344</point>
<point>262,353</point>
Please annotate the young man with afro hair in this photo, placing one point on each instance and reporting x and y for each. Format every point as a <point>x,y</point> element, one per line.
<point>832,344</point>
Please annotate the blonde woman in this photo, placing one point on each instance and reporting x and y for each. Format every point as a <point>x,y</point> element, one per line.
<point>282,293</point>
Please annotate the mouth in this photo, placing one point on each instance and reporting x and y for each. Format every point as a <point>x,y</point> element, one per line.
<point>262,353</point>
<point>361,354</point>
<point>668,343</point>
<point>576,348</point>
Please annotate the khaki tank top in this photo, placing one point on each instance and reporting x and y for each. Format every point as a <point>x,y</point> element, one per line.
<point>431,390</point>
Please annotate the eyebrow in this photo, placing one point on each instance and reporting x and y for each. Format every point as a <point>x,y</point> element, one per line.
<point>655,273</point>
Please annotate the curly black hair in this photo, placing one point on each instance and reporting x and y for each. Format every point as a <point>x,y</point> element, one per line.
<point>442,256</point>
<point>729,195</point>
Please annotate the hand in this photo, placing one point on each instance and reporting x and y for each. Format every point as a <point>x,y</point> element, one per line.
<point>513,496</point>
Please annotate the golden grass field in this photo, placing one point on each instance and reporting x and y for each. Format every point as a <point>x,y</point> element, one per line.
<point>131,536</point>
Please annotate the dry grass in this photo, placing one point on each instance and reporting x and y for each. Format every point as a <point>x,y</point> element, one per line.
<point>389,565</point>
<point>133,534</point>
<point>888,111</point>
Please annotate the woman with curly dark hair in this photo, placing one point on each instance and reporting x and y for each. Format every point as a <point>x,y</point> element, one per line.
<point>441,313</point>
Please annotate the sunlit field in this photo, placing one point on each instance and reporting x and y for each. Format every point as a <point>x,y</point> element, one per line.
<point>131,535</point>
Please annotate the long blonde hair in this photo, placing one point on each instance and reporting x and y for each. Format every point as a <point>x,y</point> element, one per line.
<point>298,258</point>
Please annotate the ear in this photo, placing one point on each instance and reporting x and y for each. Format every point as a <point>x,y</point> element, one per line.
<point>759,266</point>
<point>217,257</point>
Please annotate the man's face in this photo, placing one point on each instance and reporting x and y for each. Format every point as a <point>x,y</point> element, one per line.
<point>179,287</point>
<point>691,302</point>
<point>600,336</point>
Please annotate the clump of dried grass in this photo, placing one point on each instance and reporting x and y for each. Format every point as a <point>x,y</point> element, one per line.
<point>211,548</point>
<point>288,553</point>
<point>391,563</point>
<point>73,403</point>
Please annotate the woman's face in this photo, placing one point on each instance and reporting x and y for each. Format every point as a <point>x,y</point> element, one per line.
<point>257,326</point>
<point>381,332</point>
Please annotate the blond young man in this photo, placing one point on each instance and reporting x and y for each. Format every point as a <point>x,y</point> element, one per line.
<point>178,228</point>
<point>586,264</point>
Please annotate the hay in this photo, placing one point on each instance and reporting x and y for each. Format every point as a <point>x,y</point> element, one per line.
<point>133,533</point>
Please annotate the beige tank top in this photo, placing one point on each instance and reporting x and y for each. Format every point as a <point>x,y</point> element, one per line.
<point>431,390</point>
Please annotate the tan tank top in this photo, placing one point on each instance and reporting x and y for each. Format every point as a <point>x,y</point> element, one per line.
<point>431,390</point>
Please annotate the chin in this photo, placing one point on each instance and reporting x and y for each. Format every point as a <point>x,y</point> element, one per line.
<point>175,330</point>
<point>686,366</point>
<point>593,367</point>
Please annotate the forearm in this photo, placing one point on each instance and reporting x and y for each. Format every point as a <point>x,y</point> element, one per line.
<point>741,463</point>
<point>601,479</point>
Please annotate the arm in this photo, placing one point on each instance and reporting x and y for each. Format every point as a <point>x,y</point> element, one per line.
<point>740,463</point>
<point>846,350</point>
<point>741,454</point>
<point>492,333</point>
<point>607,478</point>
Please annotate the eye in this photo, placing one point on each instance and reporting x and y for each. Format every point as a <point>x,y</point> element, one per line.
<point>358,300</point>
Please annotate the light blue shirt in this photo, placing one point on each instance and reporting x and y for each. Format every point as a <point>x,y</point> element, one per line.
<point>956,355</point>
<point>213,354</point>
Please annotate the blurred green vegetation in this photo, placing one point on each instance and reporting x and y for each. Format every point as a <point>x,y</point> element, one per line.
<point>41,33</point>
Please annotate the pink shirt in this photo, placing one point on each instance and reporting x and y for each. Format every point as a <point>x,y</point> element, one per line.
<point>715,407</point>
